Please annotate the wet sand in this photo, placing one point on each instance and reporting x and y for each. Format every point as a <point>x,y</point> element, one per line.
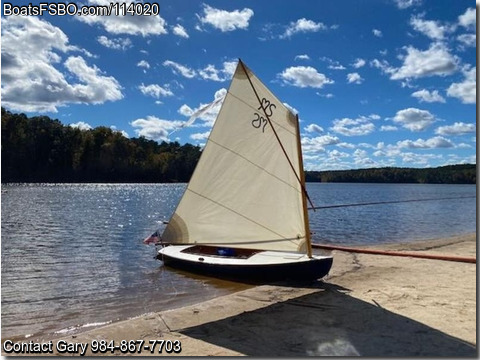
<point>369,305</point>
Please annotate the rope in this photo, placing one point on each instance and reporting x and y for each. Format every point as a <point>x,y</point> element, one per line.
<point>386,202</point>
<point>397,253</point>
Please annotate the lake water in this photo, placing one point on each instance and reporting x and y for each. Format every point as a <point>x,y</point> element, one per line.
<point>73,258</point>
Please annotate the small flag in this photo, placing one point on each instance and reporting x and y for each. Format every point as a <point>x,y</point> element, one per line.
<point>152,239</point>
<point>199,113</point>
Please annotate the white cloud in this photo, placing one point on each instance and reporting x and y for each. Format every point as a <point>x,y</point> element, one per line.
<point>318,143</point>
<point>132,25</point>
<point>434,61</point>
<point>291,108</point>
<point>302,26</point>
<point>212,73</point>
<point>116,43</point>
<point>468,19</point>
<point>377,33</point>
<point>143,64</point>
<point>336,67</point>
<point>414,119</point>
<point>328,95</point>
<point>465,91</point>
<point>454,159</point>
<point>427,96</point>
<point>179,30</point>
<point>180,69</point>
<point>32,79</point>
<point>81,125</point>
<point>383,65</point>
<point>335,154</point>
<point>432,143</point>
<point>458,128</point>
<point>361,158</point>
<point>314,128</point>
<point>97,88</point>
<point>185,110</point>
<point>354,78</point>
<point>302,57</point>
<point>226,20</point>
<point>345,145</point>
<point>200,136</point>
<point>354,127</point>
<point>327,160</point>
<point>304,76</point>
<point>269,31</point>
<point>154,128</point>
<point>41,37</point>
<point>155,90</point>
<point>333,64</point>
<point>405,4</point>
<point>390,152</point>
<point>468,40</point>
<point>418,159</point>
<point>123,132</point>
<point>430,28</point>
<point>358,63</point>
<point>388,128</point>
<point>229,68</point>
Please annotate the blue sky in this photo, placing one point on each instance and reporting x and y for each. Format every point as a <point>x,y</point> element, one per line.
<point>375,83</point>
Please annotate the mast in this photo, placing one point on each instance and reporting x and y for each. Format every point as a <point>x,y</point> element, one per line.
<point>304,191</point>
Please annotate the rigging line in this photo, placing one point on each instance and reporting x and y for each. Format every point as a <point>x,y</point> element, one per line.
<point>387,202</point>
<point>276,135</point>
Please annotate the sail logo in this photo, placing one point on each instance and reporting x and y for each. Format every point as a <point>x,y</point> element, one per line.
<point>267,108</point>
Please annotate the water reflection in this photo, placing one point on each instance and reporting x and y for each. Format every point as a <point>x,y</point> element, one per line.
<point>72,254</point>
<point>390,222</point>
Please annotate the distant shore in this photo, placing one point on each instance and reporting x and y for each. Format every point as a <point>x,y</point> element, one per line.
<point>129,160</point>
<point>460,174</point>
<point>369,305</point>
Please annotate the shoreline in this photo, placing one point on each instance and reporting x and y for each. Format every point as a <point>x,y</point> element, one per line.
<point>369,305</point>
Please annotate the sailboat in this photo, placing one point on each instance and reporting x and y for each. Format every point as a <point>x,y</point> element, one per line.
<point>244,211</point>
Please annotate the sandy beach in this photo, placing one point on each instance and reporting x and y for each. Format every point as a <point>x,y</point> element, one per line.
<point>369,305</point>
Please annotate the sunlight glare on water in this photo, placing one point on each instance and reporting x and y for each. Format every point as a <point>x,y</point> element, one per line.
<point>73,257</point>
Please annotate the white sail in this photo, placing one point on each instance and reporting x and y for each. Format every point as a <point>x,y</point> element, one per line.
<point>245,192</point>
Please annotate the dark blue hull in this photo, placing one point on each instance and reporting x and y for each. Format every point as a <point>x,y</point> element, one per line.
<point>308,270</point>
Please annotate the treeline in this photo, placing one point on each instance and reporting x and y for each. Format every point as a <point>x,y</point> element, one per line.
<point>39,149</point>
<point>451,174</point>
